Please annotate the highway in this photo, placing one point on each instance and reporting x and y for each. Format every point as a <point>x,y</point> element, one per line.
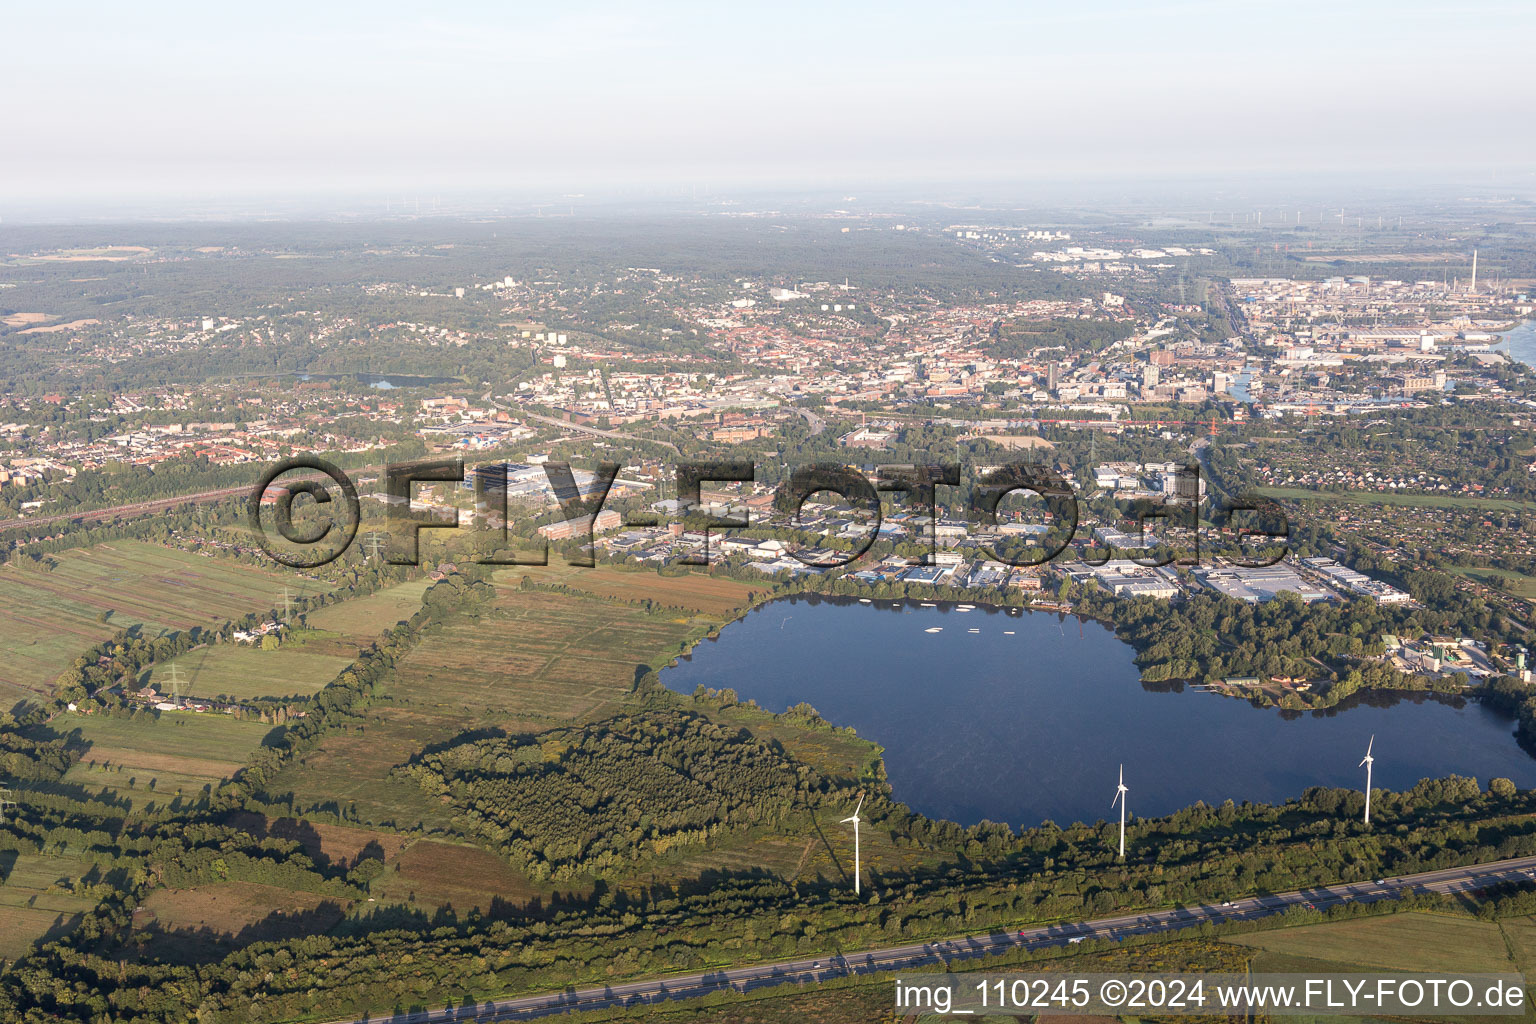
<point>584,429</point>
<point>815,422</point>
<point>140,508</point>
<point>931,954</point>
<point>134,509</point>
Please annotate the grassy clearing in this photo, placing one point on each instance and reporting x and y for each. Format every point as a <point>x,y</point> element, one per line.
<point>325,844</point>
<point>365,618</point>
<point>433,874</point>
<point>1524,586</point>
<point>242,671</point>
<point>1403,942</point>
<point>47,617</point>
<point>206,922</point>
<point>146,760</point>
<point>1520,938</point>
<point>28,911</point>
<point>1392,498</point>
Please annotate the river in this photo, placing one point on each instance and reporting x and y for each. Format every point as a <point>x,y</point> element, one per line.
<point>1522,342</point>
<point>1021,717</point>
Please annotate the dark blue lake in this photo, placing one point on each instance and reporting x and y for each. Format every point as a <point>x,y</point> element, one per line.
<point>1021,717</point>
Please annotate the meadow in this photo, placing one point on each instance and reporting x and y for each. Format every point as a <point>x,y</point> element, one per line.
<point>430,874</point>
<point>364,618</point>
<point>1401,942</point>
<point>1521,584</point>
<point>534,660</point>
<point>28,911</point>
<point>206,922</point>
<point>49,615</point>
<point>696,592</point>
<point>245,671</point>
<point>147,760</point>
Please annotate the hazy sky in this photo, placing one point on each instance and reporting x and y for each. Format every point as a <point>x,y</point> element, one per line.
<point>114,98</point>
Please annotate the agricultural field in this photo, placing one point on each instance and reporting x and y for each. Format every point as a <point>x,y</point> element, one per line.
<point>245,671</point>
<point>50,613</point>
<point>208,921</point>
<point>1402,942</point>
<point>1520,936</point>
<point>325,844</point>
<point>696,592</point>
<point>535,660</point>
<point>433,874</point>
<point>364,618</point>
<point>28,911</point>
<point>146,761</point>
<point>540,660</point>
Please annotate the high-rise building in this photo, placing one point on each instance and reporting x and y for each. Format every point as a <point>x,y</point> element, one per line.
<point>1052,375</point>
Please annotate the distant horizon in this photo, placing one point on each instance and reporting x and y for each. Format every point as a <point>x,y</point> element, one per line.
<point>132,105</point>
<point>1221,194</point>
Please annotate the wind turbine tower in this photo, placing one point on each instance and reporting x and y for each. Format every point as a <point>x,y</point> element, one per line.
<point>854,817</point>
<point>1366,763</point>
<point>1120,792</point>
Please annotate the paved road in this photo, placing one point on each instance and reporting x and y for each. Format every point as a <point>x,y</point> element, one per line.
<point>135,509</point>
<point>161,504</point>
<point>584,429</point>
<point>815,422</point>
<point>741,979</point>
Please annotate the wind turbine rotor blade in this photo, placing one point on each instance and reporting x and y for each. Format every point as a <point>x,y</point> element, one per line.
<point>859,806</point>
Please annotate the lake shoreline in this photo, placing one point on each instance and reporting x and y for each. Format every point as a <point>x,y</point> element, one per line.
<point>966,734</point>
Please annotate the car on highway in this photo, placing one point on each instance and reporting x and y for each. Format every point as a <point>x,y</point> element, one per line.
<point>1309,905</point>
<point>1381,881</point>
<point>1226,903</point>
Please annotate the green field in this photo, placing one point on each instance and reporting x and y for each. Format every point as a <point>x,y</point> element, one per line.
<point>1401,942</point>
<point>696,592</point>
<point>48,616</point>
<point>364,618</point>
<point>146,760</point>
<point>28,911</point>
<point>537,659</point>
<point>1524,586</point>
<point>1392,498</point>
<point>244,671</point>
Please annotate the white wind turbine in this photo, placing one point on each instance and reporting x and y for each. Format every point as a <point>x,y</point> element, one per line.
<point>1120,792</point>
<point>1366,762</point>
<point>854,817</point>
